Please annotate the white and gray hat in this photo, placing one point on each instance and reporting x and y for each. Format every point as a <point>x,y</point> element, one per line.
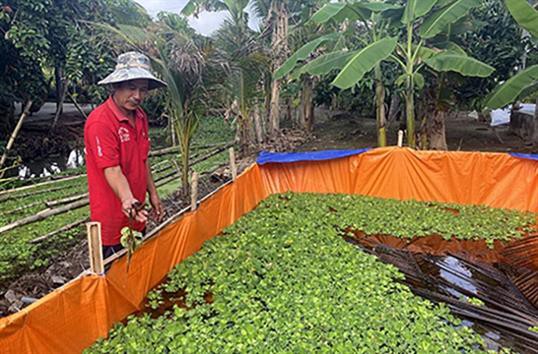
<point>133,66</point>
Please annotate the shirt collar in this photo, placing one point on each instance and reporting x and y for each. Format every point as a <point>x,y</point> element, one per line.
<point>120,116</point>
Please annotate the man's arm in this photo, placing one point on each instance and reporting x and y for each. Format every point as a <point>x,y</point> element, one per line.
<point>117,181</point>
<point>153,195</point>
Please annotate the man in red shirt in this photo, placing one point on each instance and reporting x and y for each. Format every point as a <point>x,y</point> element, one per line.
<point>117,146</point>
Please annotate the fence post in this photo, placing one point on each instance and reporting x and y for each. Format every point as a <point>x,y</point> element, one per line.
<point>233,166</point>
<point>194,191</point>
<point>95,247</point>
<point>400,138</point>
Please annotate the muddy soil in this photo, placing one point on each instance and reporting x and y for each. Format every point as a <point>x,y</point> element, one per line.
<point>343,130</point>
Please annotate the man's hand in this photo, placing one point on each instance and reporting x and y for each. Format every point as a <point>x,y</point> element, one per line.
<point>157,207</point>
<point>133,209</point>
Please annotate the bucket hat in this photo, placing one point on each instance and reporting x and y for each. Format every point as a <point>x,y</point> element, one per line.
<point>133,66</point>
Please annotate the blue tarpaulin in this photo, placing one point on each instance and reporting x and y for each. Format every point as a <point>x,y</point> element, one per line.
<point>524,156</point>
<point>287,157</point>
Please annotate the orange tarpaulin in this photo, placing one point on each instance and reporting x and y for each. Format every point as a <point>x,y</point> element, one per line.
<point>72,317</point>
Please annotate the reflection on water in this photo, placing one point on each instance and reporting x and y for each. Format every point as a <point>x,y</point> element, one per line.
<point>51,165</point>
<point>456,273</point>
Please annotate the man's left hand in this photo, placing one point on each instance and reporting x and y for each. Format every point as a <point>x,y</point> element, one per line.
<point>156,207</point>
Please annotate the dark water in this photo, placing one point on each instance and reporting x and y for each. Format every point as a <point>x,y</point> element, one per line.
<point>479,292</point>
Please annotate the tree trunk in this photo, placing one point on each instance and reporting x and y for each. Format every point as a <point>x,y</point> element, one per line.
<point>274,112</point>
<point>380,108</point>
<point>7,114</point>
<point>11,141</point>
<point>257,125</point>
<point>245,130</point>
<point>307,106</point>
<point>60,93</point>
<point>393,109</point>
<point>410,118</point>
<point>279,47</point>
<point>436,131</point>
<point>289,110</point>
<point>535,132</point>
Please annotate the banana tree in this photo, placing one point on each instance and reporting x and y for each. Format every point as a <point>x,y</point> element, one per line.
<point>409,49</point>
<point>524,82</point>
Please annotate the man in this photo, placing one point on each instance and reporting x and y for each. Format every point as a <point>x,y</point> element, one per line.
<point>117,146</point>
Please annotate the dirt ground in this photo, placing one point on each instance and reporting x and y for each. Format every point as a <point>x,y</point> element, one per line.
<point>346,131</point>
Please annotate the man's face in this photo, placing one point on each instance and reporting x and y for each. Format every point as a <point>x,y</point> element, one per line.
<point>130,94</point>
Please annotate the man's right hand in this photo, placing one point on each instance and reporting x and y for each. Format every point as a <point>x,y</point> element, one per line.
<point>131,208</point>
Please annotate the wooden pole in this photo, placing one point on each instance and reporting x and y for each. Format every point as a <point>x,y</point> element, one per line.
<point>194,191</point>
<point>43,214</point>
<point>400,138</point>
<point>14,134</point>
<point>95,247</point>
<point>233,166</point>
<point>60,230</point>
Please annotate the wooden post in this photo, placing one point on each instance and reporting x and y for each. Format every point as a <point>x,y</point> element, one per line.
<point>194,191</point>
<point>18,127</point>
<point>233,166</point>
<point>95,247</point>
<point>400,138</point>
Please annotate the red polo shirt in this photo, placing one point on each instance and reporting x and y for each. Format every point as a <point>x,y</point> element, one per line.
<point>111,140</point>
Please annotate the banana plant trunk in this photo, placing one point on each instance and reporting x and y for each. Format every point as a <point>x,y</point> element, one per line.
<point>393,109</point>
<point>436,131</point>
<point>279,47</point>
<point>274,110</point>
<point>410,114</point>
<point>535,133</point>
<point>380,108</point>
<point>307,106</point>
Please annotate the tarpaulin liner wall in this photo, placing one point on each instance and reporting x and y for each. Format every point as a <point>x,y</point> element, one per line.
<point>74,316</point>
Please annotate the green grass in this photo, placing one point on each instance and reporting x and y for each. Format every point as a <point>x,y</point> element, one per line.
<point>283,279</point>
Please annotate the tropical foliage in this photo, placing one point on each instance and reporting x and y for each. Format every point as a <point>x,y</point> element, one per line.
<point>407,35</point>
<point>525,82</point>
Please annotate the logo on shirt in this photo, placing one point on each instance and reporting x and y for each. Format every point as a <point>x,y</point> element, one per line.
<point>124,134</point>
<point>99,148</point>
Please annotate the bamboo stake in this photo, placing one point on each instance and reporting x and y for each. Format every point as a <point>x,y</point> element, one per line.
<point>21,208</point>
<point>43,214</point>
<point>74,198</point>
<point>95,247</point>
<point>4,197</point>
<point>60,230</point>
<point>40,184</point>
<point>14,135</point>
<point>400,138</point>
<point>233,166</point>
<point>194,191</point>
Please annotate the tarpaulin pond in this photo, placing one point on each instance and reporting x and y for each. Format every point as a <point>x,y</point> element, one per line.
<point>384,250</point>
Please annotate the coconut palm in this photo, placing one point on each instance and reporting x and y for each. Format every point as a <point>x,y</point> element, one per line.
<point>246,61</point>
<point>180,61</point>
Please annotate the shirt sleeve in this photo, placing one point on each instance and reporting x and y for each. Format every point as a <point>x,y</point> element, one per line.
<point>103,145</point>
